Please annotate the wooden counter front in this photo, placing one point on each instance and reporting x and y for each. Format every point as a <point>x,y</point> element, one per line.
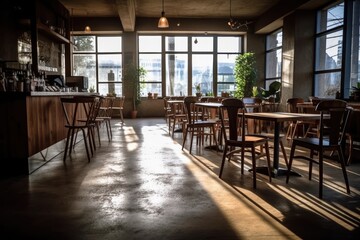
<point>29,124</point>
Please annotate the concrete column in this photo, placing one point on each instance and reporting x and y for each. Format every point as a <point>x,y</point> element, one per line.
<point>298,55</point>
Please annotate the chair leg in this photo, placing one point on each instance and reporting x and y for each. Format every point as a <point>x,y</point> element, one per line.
<point>268,160</point>
<point>284,153</point>
<point>253,158</point>
<point>121,116</point>
<point>86,145</point>
<point>191,139</point>
<point>351,146</point>
<point>223,160</point>
<point>292,152</point>
<point>184,138</point>
<point>342,162</point>
<point>321,173</point>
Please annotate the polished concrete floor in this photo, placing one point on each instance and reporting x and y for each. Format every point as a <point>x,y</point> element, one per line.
<point>141,185</point>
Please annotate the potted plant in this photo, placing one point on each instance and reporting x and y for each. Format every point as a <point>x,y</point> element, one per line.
<point>355,94</point>
<point>245,75</point>
<point>198,89</point>
<point>132,77</point>
<point>92,89</point>
<point>274,91</point>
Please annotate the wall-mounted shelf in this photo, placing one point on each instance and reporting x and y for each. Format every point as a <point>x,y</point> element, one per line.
<point>51,33</point>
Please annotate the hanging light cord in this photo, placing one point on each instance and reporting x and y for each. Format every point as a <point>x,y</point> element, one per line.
<point>234,25</point>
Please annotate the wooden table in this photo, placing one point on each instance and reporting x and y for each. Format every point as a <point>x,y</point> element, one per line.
<point>277,118</point>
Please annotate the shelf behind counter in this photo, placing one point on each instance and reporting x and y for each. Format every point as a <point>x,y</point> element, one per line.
<point>30,123</point>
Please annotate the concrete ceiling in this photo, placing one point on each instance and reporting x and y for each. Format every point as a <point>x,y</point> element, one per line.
<point>128,10</point>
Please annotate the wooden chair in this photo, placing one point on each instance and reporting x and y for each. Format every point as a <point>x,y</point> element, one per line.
<point>254,127</point>
<point>235,110</point>
<point>118,105</point>
<point>195,125</point>
<point>75,108</point>
<point>167,109</point>
<point>176,116</point>
<point>293,127</point>
<point>105,114</point>
<point>334,117</point>
<point>353,133</point>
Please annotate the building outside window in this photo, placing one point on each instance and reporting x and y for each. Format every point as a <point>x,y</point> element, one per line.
<point>273,57</point>
<point>228,48</point>
<point>150,60</point>
<point>188,61</point>
<point>353,78</point>
<point>100,59</point>
<point>329,50</point>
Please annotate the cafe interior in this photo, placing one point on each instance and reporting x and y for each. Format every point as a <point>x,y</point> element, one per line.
<point>163,119</point>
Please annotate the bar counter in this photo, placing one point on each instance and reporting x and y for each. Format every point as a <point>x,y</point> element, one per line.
<point>30,123</point>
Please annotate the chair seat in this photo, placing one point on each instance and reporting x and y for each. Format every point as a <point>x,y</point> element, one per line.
<point>248,140</point>
<point>314,142</point>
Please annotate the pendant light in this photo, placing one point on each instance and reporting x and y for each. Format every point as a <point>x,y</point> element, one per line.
<point>87,29</point>
<point>163,22</point>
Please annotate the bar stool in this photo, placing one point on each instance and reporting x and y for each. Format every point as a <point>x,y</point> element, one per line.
<point>76,108</point>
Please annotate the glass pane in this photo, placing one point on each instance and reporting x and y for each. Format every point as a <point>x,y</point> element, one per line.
<point>150,87</point>
<point>202,72</point>
<point>176,44</point>
<point>109,44</point>
<point>105,88</point>
<point>273,64</point>
<point>329,51</point>
<point>202,44</point>
<point>226,63</point>
<point>149,43</point>
<point>224,87</point>
<point>327,84</point>
<point>84,43</point>
<point>176,74</point>
<point>85,65</point>
<point>109,67</point>
<point>355,52</point>
<point>152,64</point>
<point>274,40</point>
<point>229,44</point>
<point>330,18</point>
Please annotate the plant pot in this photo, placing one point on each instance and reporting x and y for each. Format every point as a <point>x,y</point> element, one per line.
<point>134,114</point>
<point>198,94</point>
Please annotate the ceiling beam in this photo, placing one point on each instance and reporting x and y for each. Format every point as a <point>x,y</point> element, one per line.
<point>126,12</point>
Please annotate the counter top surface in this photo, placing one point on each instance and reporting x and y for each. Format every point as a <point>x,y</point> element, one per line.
<point>35,94</point>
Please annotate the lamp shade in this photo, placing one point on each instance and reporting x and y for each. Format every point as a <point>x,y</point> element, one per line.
<point>163,22</point>
<point>87,29</point>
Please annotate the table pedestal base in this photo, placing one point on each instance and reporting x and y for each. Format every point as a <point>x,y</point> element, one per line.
<point>275,173</point>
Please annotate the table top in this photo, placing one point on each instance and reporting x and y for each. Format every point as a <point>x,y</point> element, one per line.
<point>209,104</point>
<point>175,101</point>
<point>282,116</point>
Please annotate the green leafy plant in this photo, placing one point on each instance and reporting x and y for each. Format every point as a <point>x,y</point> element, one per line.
<point>133,76</point>
<point>356,89</point>
<point>273,91</point>
<point>92,89</point>
<point>245,74</point>
<point>198,87</point>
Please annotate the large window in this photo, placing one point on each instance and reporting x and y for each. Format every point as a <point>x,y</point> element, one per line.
<point>273,57</point>
<point>100,59</point>
<point>185,61</point>
<point>329,50</point>
<point>228,49</point>
<point>150,60</point>
<point>354,71</point>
